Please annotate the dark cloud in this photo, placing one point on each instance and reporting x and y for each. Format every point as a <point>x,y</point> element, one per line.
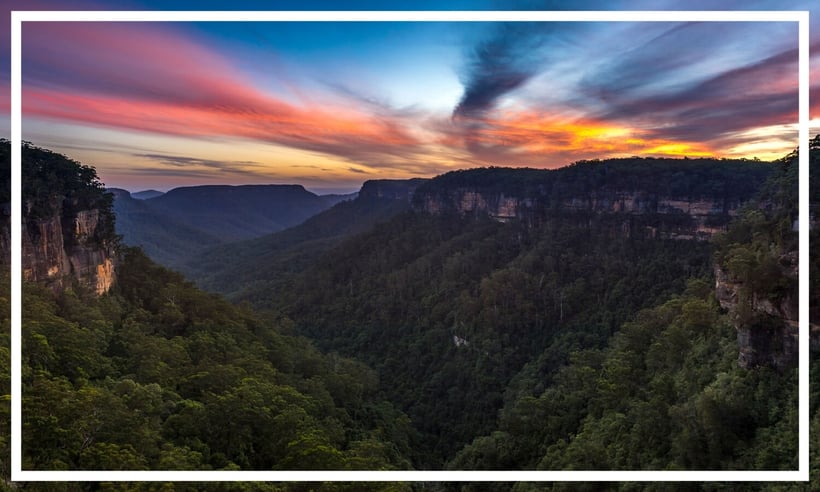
<point>183,161</point>
<point>763,93</point>
<point>515,52</point>
<point>354,170</point>
<point>185,164</point>
<point>498,65</point>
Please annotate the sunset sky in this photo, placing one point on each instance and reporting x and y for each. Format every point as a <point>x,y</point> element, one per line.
<point>330,105</point>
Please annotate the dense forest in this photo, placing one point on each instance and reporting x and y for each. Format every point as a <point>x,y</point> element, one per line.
<point>465,316</point>
<point>157,374</point>
<point>416,341</point>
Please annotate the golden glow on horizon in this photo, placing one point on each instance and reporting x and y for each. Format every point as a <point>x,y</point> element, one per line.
<point>167,161</point>
<point>539,135</point>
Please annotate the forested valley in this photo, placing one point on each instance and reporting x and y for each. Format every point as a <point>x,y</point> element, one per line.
<point>403,339</point>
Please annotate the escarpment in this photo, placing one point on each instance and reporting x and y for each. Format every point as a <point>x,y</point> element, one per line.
<point>67,223</point>
<point>766,321</point>
<point>667,198</point>
<point>69,245</point>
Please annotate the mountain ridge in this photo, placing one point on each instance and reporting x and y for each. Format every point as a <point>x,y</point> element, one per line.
<point>178,224</point>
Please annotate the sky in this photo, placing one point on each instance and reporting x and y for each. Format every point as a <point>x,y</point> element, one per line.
<point>330,105</point>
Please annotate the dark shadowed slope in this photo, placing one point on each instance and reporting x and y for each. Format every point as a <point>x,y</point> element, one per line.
<point>162,237</point>
<point>243,268</point>
<point>240,212</point>
<point>176,225</point>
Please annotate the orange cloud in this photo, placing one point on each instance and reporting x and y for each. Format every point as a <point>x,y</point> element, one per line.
<point>527,138</point>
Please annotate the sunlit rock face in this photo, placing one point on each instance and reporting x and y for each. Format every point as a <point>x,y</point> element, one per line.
<point>67,246</point>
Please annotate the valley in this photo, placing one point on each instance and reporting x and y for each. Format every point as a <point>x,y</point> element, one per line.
<point>491,318</point>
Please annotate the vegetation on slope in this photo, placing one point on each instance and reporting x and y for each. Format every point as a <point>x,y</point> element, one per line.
<point>731,180</point>
<point>666,392</point>
<point>599,352</point>
<point>248,270</point>
<point>159,375</point>
<point>449,309</point>
<point>55,184</point>
<point>464,317</point>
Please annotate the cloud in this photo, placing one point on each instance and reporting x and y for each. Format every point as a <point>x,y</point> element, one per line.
<point>154,79</point>
<point>541,94</point>
<point>182,161</point>
<point>530,138</point>
<point>498,65</point>
<point>762,93</point>
<point>200,167</point>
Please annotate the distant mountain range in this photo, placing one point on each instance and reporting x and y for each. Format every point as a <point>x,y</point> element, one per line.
<point>172,226</point>
<point>146,194</point>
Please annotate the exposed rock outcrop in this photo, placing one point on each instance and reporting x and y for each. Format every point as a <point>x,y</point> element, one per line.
<point>67,229</point>
<point>68,246</point>
<point>661,216</point>
<point>668,198</point>
<point>767,328</point>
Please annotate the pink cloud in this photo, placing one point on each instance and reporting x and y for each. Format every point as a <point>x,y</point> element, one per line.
<point>151,78</point>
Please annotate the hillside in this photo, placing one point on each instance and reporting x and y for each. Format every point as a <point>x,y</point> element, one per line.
<point>173,226</point>
<point>239,212</point>
<point>152,373</point>
<point>164,238</point>
<point>146,194</point>
<point>685,384</point>
<point>398,337</point>
<point>249,269</point>
<point>68,223</point>
<point>451,300</point>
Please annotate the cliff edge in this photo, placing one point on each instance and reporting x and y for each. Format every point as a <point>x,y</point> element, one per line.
<point>68,222</point>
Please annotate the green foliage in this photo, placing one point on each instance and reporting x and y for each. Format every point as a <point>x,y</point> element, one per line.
<point>665,393</point>
<point>508,346</point>
<point>404,295</point>
<point>731,180</point>
<point>249,270</point>
<point>53,184</point>
<point>159,375</point>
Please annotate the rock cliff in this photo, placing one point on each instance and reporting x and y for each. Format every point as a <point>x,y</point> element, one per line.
<point>767,326</point>
<point>636,197</point>
<point>756,269</point>
<point>68,224</point>
<point>67,246</point>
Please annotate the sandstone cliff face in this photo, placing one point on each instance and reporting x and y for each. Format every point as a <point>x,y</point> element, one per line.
<point>767,329</point>
<point>663,216</point>
<point>66,246</point>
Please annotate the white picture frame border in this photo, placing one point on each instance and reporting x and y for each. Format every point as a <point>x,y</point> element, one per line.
<point>20,17</point>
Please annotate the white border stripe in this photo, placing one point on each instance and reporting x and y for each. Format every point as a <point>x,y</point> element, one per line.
<point>801,17</point>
